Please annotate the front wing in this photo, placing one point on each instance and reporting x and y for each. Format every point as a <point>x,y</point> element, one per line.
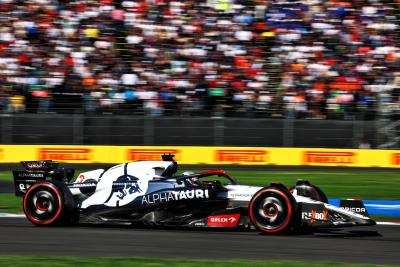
<point>321,215</point>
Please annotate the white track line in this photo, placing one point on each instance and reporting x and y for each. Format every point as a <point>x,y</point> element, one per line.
<point>11,215</point>
<point>388,223</point>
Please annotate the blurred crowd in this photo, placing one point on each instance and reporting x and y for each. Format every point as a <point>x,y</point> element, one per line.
<point>263,58</point>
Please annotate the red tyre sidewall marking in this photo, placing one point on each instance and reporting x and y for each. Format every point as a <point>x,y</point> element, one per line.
<point>56,191</point>
<point>290,210</point>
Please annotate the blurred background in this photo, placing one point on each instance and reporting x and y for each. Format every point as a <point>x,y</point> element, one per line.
<point>218,72</point>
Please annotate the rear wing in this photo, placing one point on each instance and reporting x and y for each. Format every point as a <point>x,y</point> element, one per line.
<point>42,165</point>
<point>39,171</point>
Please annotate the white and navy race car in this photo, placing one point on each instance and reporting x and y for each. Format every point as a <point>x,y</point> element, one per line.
<point>150,193</point>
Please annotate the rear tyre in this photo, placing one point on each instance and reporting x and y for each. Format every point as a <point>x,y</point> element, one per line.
<point>272,210</point>
<point>47,204</point>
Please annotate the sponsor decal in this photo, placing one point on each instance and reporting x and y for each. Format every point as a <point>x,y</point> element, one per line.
<point>225,220</point>
<point>80,178</point>
<point>315,216</point>
<point>30,175</point>
<point>241,195</point>
<point>83,185</point>
<point>23,187</point>
<point>29,179</point>
<point>355,210</point>
<point>241,156</point>
<point>329,157</point>
<point>396,158</point>
<point>175,195</point>
<point>126,186</point>
<point>80,154</point>
<point>35,165</point>
<point>151,154</point>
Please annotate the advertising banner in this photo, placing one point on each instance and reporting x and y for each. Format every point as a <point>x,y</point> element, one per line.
<point>204,155</point>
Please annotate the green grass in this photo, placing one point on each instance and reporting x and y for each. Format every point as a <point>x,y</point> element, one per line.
<point>6,176</point>
<point>16,261</point>
<point>10,203</point>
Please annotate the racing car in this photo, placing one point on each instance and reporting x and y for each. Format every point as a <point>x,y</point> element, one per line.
<point>151,193</point>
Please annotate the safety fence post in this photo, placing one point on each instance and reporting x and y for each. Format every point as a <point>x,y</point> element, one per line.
<point>288,129</point>
<point>78,123</point>
<point>148,133</point>
<point>6,128</point>
<point>219,131</point>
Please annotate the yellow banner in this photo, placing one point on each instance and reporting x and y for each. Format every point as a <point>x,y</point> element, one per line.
<point>204,155</point>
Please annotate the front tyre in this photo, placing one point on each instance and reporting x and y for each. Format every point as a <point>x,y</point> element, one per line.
<point>272,210</point>
<point>45,204</point>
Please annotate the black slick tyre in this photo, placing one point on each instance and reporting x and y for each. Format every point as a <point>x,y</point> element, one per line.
<point>272,210</point>
<point>48,204</point>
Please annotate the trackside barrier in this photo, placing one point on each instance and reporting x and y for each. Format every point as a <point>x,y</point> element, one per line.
<point>204,155</point>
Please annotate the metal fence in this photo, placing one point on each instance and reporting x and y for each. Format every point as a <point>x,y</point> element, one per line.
<point>197,131</point>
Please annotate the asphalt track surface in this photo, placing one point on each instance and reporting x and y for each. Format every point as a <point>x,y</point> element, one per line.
<point>376,244</point>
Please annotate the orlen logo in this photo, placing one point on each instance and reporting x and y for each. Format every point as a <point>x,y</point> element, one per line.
<point>151,154</point>
<point>226,220</point>
<point>396,158</point>
<point>329,157</point>
<point>80,154</point>
<point>241,156</point>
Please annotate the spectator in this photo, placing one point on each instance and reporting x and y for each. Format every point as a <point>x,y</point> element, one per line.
<point>302,59</point>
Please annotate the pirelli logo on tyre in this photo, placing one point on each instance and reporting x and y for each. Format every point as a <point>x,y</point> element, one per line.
<point>322,157</point>
<point>241,156</point>
<point>396,159</point>
<point>151,154</point>
<point>65,154</point>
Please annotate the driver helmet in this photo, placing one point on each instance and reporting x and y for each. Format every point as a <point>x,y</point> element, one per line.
<point>194,180</point>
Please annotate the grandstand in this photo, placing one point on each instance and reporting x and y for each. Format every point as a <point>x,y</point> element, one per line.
<point>306,59</point>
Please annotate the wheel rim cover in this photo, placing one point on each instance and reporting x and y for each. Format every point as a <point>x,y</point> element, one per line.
<point>270,212</point>
<point>42,205</point>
